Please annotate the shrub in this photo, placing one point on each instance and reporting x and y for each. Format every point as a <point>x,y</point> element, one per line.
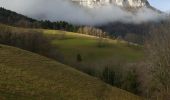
<point>30,40</point>
<point>126,80</point>
<point>79,58</point>
<point>111,76</point>
<point>108,76</point>
<point>130,82</point>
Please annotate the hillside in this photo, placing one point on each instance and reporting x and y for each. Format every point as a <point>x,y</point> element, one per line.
<point>89,54</point>
<point>84,50</point>
<point>116,29</point>
<point>28,76</point>
<point>15,19</point>
<point>11,18</point>
<point>93,50</point>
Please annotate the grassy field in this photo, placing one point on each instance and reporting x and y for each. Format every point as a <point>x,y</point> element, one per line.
<point>96,53</point>
<point>28,76</point>
<point>71,44</point>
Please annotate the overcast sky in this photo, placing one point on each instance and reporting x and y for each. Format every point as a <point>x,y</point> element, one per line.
<point>163,5</point>
<point>62,10</point>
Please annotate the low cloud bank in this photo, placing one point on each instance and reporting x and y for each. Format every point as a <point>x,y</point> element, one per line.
<point>64,10</point>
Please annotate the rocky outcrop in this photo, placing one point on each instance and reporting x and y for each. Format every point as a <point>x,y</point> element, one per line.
<point>121,3</point>
<point>131,3</point>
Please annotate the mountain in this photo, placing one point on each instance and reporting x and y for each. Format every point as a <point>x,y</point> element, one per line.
<point>120,3</point>
<point>131,3</point>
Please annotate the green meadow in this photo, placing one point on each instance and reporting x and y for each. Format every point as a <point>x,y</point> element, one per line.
<point>93,49</point>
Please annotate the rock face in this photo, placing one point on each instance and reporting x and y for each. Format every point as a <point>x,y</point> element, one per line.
<point>121,3</point>
<point>131,3</point>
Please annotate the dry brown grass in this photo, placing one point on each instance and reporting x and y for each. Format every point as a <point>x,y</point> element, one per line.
<point>28,76</point>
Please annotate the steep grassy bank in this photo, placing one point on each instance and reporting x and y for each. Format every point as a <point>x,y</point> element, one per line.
<point>28,76</point>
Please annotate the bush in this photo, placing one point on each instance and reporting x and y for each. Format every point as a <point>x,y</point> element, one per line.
<point>30,40</point>
<point>108,76</point>
<point>130,82</point>
<point>111,77</point>
<point>79,58</point>
<point>126,80</point>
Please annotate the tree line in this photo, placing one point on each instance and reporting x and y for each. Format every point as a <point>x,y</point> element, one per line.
<point>12,18</point>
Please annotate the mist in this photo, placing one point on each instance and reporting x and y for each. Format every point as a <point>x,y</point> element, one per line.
<point>64,10</point>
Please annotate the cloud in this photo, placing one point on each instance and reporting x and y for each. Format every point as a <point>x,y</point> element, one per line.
<point>64,10</point>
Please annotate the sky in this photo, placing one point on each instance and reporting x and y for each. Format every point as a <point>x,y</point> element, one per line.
<point>163,5</point>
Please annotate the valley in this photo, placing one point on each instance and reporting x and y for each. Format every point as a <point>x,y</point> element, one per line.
<point>84,50</point>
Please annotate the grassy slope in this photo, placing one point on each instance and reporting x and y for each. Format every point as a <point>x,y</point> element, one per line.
<point>85,45</point>
<point>24,75</point>
<point>70,44</point>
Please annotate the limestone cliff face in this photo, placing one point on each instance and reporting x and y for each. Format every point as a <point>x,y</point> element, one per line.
<point>131,3</point>
<point>122,3</point>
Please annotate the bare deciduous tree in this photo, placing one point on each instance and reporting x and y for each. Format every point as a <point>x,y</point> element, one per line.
<point>158,47</point>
